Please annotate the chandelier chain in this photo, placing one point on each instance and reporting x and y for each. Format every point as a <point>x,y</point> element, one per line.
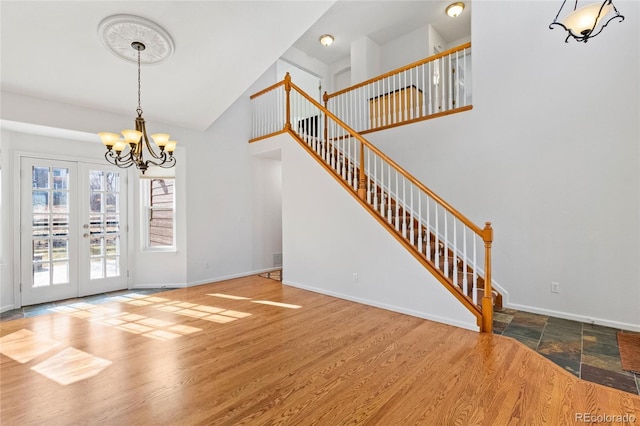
<point>139,109</point>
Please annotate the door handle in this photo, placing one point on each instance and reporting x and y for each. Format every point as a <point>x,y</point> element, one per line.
<point>85,226</point>
<point>86,235</point>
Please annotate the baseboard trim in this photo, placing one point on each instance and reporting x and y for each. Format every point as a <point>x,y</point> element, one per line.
<point>388,307</point>
<point>574,317</point>
<point>164,285</point>
<point>230,277</point>
<point>6,308</point>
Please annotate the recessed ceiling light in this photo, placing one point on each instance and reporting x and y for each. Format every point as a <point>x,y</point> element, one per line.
<point>326,39</point>
<point>455,9</point>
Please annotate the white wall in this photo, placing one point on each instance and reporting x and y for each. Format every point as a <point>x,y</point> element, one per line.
<point>305,80</point>
<point>328,236</point>
<point>266,172</point>
<point>222,204</point>
<point>365,60</point>
<point>406,49</point>
<point>310,65</point>
<point>550,155</point>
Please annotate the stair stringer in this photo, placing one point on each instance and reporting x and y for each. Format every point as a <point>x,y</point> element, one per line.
<point>328,236</point>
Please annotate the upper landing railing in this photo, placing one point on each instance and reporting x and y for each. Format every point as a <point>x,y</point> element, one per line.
<point>455,250</point>
<point>435,86</point>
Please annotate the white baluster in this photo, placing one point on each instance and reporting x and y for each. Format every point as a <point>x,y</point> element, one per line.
<point>436,237</point>
<point>464,261</point>
<point>383,194</point>
<point>420,222</point>
<point>411,222</point>
<point>375,182</point>
<point>449,73</point>
<point>428,232</point>
<point>411,95</point>
<point>446,245</point>
<point>404,209</point>
<point>474,280</point>
<point>389,212</point>
<point>454,249</point>
<point>464,86</point>
<point>397,204</point>
<point>423,105</point>
<point>430,88</point>
<point>355,163</point>
<point>443,80</point>
<point>369,180</point>
<point>405,113</point>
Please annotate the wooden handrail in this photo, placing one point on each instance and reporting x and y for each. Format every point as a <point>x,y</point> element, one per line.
<point>475,228</point>
<point>398,70</point>
<point>268,89</point>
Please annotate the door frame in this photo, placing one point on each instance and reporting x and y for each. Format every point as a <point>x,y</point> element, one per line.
<point>17,211</point>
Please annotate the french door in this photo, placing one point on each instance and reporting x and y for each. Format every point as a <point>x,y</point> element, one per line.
<point>73,230</point>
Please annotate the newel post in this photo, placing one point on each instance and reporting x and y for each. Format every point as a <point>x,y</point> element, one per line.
<point>325,98</point>
<point>362,180</point>
<point>487,298</point>
<point>287,89</point>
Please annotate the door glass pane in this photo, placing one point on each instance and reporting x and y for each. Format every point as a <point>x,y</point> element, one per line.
<point>104,224</point>
<point>50,217</point>
<point>97,270</point>
<point>95,180</point>
<point>112,203</point>
<point>96,203</point>
<point>113,224</point>
<point>60,249</point>
<point>41,274</point>
<point>40,225</point>
<point>96,246</point>
<point>40,201</point>
<point>113,246</point>
<point>60,224</point>
<point>113,267</point>
<point>60,178</point>
<point>112,181</point>
<point>96,226</point>
<point>60,202</point>
<point>40,178</point>
<point>40,250</point>
<point>60,272</point>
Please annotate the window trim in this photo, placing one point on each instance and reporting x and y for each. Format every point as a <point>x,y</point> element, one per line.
<point>146,210</point>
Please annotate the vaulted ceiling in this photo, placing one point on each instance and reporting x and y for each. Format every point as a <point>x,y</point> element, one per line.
<point>51,49</point>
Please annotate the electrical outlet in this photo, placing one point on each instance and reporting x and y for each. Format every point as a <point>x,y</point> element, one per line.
<point>555,287</point>
<point>355,277</point>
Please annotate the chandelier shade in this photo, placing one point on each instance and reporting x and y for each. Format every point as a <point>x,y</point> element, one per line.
<point>586,22</point>
<point>128,148</point>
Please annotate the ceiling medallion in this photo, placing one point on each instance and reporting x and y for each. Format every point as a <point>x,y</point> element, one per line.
<point>117,32</point>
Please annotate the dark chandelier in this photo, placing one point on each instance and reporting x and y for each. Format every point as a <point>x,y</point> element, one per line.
<point>128,150</point>
<point>587,21</point>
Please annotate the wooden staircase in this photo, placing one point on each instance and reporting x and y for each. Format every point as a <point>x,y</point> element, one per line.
<point>366,173</point>
<point>403,223</point>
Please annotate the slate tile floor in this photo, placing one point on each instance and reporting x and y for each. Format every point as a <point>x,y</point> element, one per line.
<point>587,351</point>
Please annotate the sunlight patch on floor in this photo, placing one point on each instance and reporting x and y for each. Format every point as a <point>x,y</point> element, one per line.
<point>70,366</point>
<point>25,345</point>
<point>279,304</point>
<point>228,296</point>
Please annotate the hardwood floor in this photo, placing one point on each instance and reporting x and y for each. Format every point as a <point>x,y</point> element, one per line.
<point>252,351</point>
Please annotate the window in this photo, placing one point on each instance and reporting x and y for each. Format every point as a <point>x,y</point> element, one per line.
<point>159,208</point>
